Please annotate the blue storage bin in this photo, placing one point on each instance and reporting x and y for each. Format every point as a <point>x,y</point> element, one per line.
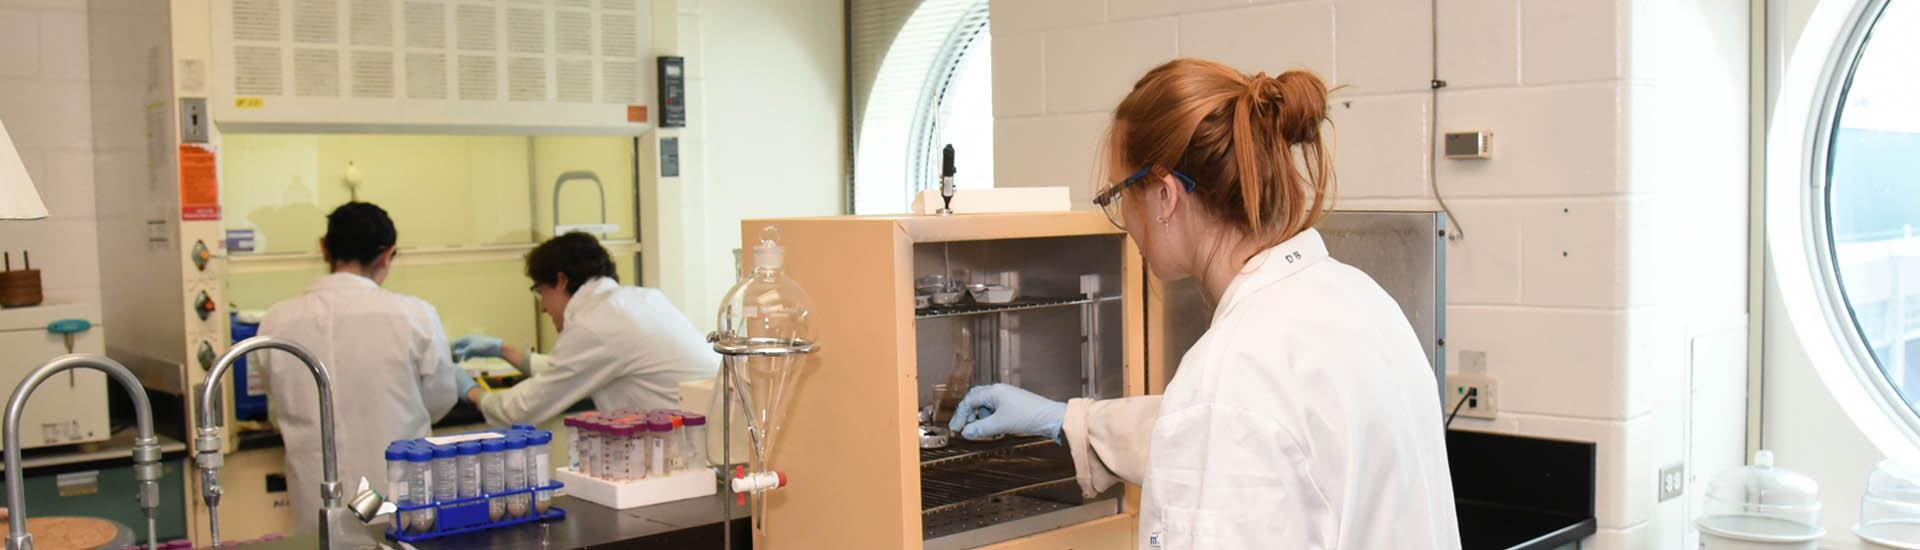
<point>249,394</point>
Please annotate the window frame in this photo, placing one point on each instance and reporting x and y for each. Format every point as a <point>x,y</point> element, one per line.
<point>892,153</point>
<point>1800,242</point>
<point>930,116</point>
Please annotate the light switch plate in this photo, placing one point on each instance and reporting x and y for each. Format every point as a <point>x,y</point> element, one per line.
<point>193,120</point>
<point>1673,481</point>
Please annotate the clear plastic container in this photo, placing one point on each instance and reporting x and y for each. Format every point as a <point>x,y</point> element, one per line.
<point>696,440</point>
<point>605,435</point>
<point>493,476</point>
<point>517,504</point>
<point>634,458</point>
<point>623,444</point>
<point>605,447</point>
<point>397,472</point>
<point>446,476</point>
<point>660,431</point>
<point>419,486</point>
<point>1890,509</point>
<point>677,444</point>
<point>586,453</point>
<point>572,426</point>
<point>1761,506</point>
<point>538,458</point>
<point>468,461</point>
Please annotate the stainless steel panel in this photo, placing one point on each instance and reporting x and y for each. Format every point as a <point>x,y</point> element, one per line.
<point>1055,351</point>
<point>1405,252</point>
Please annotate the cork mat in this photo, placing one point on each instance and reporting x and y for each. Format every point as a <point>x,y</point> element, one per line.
<point>67,532</point>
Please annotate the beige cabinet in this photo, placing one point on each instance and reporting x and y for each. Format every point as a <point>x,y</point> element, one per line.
<point>850,444</point>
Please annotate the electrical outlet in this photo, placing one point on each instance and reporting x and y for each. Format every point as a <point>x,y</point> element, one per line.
<point>1673,481</point>
<point>1484,401</point>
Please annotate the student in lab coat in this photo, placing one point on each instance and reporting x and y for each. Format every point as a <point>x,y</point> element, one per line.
<point>1305,416</point>
<point>393,373</point>
<point>624,346</point>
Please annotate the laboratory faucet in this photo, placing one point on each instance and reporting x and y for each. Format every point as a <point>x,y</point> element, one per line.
<point>146,449</point>
<point>207,439</point>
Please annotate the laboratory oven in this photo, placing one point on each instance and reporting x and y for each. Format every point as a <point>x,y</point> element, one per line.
<point>911,312</point>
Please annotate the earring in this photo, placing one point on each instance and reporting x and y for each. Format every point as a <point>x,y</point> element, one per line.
<point>1162,219</point>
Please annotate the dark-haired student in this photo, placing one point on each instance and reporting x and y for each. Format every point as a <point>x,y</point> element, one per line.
<point>392,372</point>
<point>623,346</point>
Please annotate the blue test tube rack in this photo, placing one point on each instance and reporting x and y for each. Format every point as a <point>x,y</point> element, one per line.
<point>468,515</point>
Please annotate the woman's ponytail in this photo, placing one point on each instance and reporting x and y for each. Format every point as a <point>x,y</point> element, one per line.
<point>1237,136</point>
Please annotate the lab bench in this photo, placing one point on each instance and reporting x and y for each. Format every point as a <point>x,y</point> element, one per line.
<point>691,523</point>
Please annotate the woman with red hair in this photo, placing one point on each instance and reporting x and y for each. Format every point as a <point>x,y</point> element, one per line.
<point>1305,416</point>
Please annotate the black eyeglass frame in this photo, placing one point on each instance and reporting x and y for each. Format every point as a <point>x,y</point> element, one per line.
<point>1106,198</point>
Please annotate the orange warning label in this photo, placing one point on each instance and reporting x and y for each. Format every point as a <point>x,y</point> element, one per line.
<point>199,183</point>
<point>636,113</point>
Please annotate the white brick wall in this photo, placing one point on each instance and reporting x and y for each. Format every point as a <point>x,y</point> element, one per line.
<point>1603,269</point>
<point>44,100</point>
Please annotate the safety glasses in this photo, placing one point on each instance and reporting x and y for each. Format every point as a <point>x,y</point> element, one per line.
<point>1109,200</point>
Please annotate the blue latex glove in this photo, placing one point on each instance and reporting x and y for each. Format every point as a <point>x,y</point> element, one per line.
<point>463,382</point>
<point>475,345</point>
<point>1000,409</point>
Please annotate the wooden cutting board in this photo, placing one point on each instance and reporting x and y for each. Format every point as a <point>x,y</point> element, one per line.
<point>68,532</point>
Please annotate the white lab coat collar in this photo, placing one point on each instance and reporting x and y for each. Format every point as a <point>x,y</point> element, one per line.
<point>342,281</point>
<point>1273,264</point>
<point>596,290</point>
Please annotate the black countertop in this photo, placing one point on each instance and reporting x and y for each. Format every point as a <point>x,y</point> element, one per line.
<point>1521,493</point>
<point>1486,526</point>
<point>691,523</point>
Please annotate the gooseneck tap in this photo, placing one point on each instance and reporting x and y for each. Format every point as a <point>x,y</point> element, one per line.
<point>146,449</point>
<point>207,439</point>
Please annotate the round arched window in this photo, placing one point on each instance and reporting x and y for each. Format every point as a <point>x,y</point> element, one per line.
<point>1871,210</point>
<point>931,86</point>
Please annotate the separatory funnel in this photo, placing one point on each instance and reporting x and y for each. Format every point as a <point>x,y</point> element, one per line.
<point>762,334</point>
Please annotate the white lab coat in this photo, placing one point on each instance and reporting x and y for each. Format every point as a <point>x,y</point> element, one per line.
<point>625,346</point>
<point>1305,417</point>
<point>393,376</point>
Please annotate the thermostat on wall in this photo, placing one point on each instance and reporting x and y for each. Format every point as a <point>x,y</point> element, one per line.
<point>1469,145</point>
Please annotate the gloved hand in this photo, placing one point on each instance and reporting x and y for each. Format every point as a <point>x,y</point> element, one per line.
<point>1000,409</point>
<point>463,382</point>
<point>476,345</point>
